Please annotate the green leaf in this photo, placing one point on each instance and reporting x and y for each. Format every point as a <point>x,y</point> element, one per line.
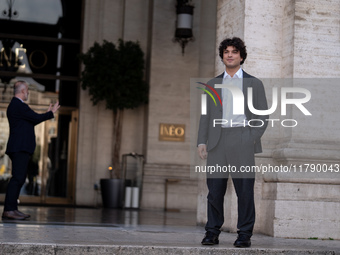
<point>115,74</point>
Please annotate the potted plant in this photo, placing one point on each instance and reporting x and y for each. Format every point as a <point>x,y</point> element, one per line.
<point>115,75</point>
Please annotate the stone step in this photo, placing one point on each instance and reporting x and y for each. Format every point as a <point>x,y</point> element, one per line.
<point>61,239</point>
<point>73,249</point>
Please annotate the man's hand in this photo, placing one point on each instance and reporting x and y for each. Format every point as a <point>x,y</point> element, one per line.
<point>202,151</point>
<point>54,107</point>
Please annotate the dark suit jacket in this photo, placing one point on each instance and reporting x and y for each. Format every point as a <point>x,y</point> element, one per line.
<point>210,135</point>
<point>22,120</point>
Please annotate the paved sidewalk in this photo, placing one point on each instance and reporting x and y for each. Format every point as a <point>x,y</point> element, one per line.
<point>165,233</point>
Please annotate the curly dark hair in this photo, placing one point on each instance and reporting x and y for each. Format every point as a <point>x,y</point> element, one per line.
<point>237,43</point>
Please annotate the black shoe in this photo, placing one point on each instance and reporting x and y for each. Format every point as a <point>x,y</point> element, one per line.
<point>210,238</point>
<point>242,241</point>
<point>12,215</point>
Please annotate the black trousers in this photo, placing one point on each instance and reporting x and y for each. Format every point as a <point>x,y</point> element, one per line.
<point>19,172</point>
<point>234,150</point>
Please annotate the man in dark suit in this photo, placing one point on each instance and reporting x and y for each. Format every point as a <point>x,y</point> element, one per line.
<point>229,139</point>
<point>21,145</point>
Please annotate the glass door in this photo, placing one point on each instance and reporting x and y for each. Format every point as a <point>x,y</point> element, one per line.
<point>58,176</point>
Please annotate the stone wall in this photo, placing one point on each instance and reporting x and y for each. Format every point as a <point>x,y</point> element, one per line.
<point>168,72</point>
<point>170,101</point>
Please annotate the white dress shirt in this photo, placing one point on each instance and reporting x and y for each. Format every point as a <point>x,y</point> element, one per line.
<point>227,101</point>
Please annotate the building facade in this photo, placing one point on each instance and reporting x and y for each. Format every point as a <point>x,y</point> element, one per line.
<point>291,41</point>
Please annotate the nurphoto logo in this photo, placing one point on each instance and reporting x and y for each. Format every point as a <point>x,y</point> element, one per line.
<point>238,103</point>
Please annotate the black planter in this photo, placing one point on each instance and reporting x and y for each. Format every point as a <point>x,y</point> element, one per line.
<point>112,192</point>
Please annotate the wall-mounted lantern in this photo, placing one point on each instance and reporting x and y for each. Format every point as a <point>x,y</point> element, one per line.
<point>185,12</point>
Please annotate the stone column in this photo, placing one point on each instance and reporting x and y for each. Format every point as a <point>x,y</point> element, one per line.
<point>107,20</point>
<point>306,205</point>
<point>103,20</point>
<point>292,39</point>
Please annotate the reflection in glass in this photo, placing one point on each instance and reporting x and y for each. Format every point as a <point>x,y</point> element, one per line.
<point>42,11</point>
<point>39,43</point>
